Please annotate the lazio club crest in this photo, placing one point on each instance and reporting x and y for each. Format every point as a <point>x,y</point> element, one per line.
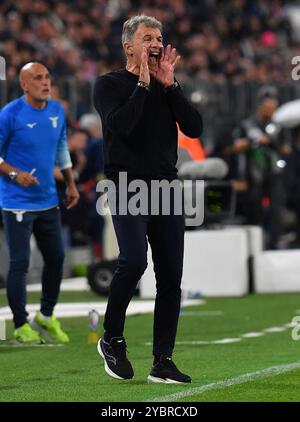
<point>54,121</point>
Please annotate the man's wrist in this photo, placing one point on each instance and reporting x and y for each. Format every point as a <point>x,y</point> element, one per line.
<point>69,174</point>
<point>70,183</point>
<point>13,175</point>
<point>171,87</point>
<point>144,85</point>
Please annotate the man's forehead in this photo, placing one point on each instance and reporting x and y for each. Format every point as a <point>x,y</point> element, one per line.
<point>147,30</point>
<point>38,70</point>
<point>270,101</point>
<point>33,70</point>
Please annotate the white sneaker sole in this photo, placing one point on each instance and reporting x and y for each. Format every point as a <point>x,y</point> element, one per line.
<point>155,380</point>
<point>106,367</point>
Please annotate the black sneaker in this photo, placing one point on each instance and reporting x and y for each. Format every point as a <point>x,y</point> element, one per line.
<point>166,372</point>
<point>116,363</point>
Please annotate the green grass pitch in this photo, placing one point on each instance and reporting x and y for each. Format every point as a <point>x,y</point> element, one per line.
<point>75,372</point>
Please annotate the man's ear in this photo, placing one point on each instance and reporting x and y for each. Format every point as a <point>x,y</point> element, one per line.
<point>23,85</point>
<point>128,49</point>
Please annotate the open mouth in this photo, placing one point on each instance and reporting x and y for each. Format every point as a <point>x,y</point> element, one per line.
<point>154,54</point>
<point>153,57</point>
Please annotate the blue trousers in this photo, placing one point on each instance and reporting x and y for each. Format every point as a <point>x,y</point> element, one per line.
<point>46,227</point>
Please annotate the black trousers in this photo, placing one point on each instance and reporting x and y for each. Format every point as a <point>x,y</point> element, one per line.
<point>166,237</point>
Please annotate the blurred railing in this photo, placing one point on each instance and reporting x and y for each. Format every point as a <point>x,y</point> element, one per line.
<point>223,105</point>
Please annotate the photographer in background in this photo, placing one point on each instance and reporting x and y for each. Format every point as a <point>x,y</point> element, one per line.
<point>258,170</point>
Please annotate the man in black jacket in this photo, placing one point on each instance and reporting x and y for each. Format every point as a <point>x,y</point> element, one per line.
<point>139,107</point>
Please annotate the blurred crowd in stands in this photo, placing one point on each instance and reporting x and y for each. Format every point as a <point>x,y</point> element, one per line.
<point>223,45</point>
<point>218,40</point>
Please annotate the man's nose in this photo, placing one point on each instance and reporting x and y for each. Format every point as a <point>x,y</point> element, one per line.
<point>156,44</point>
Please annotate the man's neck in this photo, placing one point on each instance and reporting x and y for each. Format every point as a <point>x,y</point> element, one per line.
<point>34,103</point>
<point>133,68</point>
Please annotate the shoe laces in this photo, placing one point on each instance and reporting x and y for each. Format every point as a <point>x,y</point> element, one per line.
<point>26,328</point>
<point>168,362</point>
<point>55,323</point>
<point>119,348</point>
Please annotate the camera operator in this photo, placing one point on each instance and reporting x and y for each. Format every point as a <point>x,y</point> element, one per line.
<point>259,170</point>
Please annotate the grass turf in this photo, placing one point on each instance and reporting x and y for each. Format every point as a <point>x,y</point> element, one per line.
<point>75,372</point>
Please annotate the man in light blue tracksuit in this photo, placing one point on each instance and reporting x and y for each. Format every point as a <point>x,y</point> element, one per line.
<point>32,140</point>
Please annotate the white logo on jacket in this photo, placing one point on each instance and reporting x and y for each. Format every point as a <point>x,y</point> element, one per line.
<point>31,125</point>
<point>54,121</point>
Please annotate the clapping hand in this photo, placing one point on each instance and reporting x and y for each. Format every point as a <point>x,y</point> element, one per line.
<point>166,65</point>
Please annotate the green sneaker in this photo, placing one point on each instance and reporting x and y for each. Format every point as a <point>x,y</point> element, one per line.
<point>25,334</point>
<point>50,329</point>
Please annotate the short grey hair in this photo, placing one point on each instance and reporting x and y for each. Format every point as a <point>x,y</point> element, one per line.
<point>132,24</point>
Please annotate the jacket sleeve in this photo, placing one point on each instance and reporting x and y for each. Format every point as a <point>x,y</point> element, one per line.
<point>119,117</point>
<point>188,118</point>
<point>63,159</point>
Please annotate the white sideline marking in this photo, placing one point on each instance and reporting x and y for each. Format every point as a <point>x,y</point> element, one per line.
<point>16,344</point>
<point>201,313</point>
<point>275,329</point>
<point>185,343</point>
<point>290,325</point>
<point>201,342</point>
<point>78,284</point>
<point>76,309</point>
<point>233,340</point>
<point>240,379</point>
<point>226,341</point>
<point>253,335</point>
